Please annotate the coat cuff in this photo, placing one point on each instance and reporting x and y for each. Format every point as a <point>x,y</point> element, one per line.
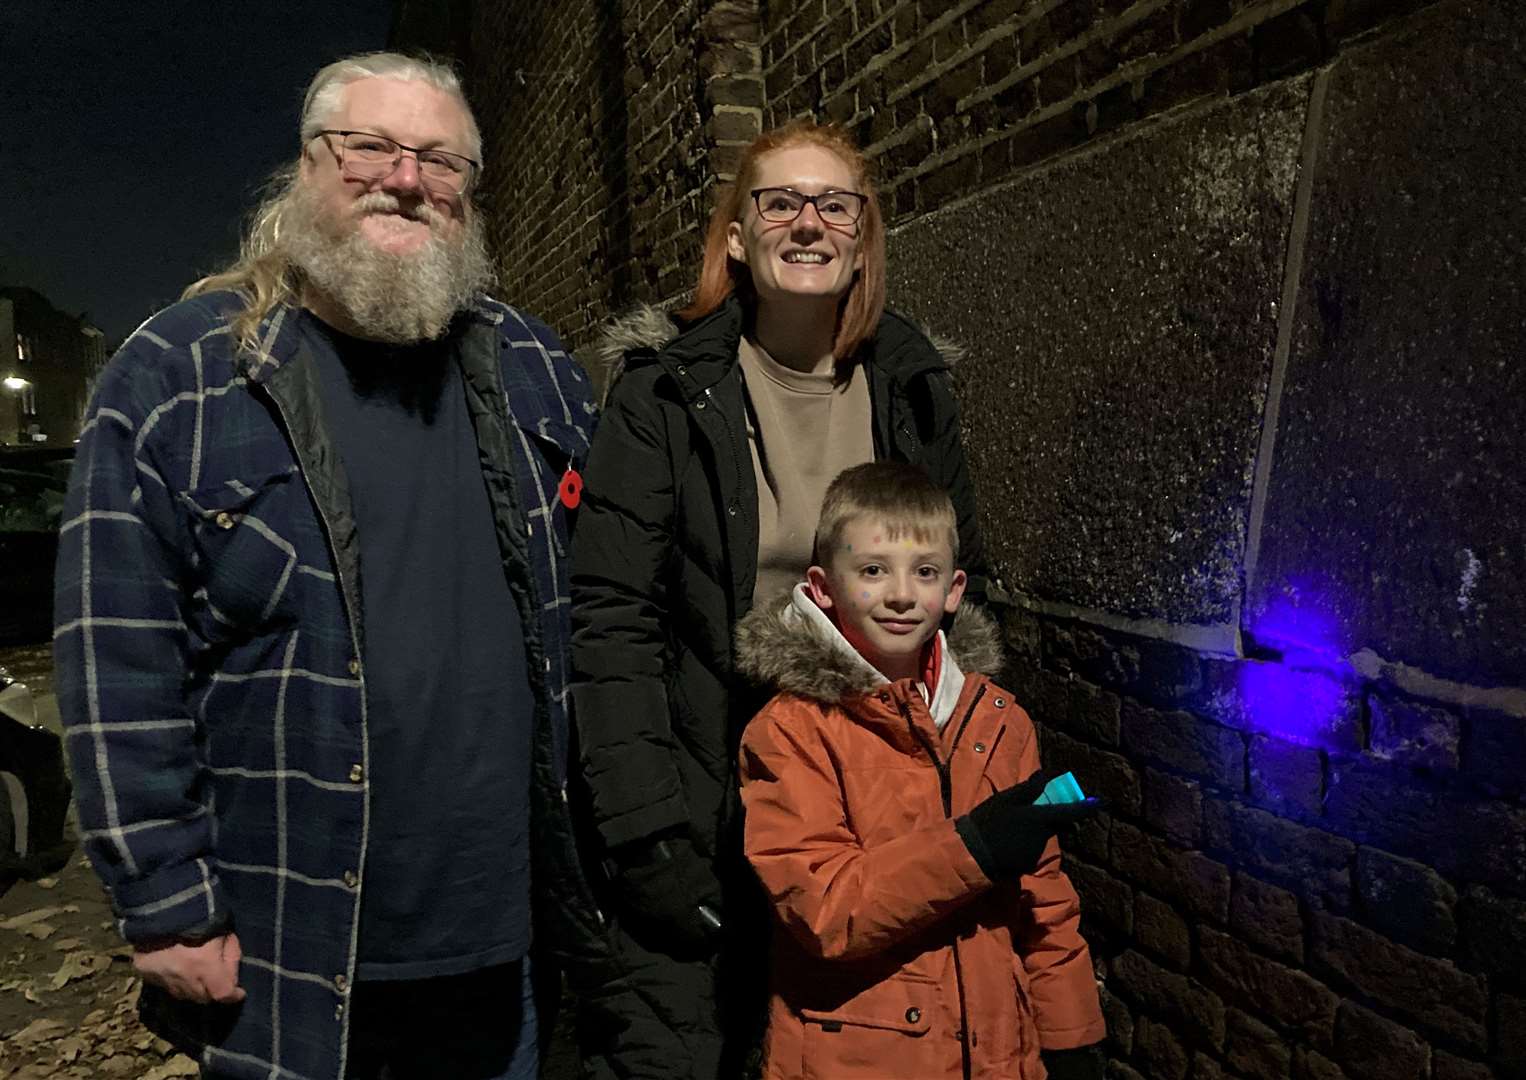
<point>648,821</point>
<point>181,901</point>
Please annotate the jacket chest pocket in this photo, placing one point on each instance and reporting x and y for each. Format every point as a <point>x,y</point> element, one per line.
<point>245,553</point>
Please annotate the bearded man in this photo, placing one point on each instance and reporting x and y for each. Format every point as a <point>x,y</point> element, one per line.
<point>312,614</point>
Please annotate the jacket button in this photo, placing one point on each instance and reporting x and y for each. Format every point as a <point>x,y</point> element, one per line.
<point>341,983</point>
<point>1000,703</point>
<point>980,748</point>
<point>225,520</point>
<point>699,404</point>
<point>351,879</point>
<point>682,370</point>
<point>357,774</point>
<point>913,1014</point>
<point>732,510</point>
<point>354,666</point>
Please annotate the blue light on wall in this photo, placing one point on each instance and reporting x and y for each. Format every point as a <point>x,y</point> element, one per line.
<point>1296,684</point>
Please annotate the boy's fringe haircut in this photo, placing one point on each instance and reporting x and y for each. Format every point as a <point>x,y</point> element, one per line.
<point>900,496</point>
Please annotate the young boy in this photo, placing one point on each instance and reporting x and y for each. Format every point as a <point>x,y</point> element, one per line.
<point>927,929</point>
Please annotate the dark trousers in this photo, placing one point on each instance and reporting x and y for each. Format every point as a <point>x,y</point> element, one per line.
<point>477,1026</point>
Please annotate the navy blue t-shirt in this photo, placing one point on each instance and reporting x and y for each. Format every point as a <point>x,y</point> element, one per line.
<point>445,888</point>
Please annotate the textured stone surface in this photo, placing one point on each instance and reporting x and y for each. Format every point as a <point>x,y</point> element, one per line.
<point>1311,862</point>
<point>1185,1002</point>
<point>1181,741</point>
<point>1407,901</point>
<point>1493,933</point>
<point>1494,751</point>
<point>1393,515</point>
<point>1254,1050</point>
<point>1372,1048</point>
<point>1120,1022</point>
<point>1267,917</point>
<point>1409,733</point>
<point>1162,931</point>
<point>1445,1066</point>
<point>1189,878</point>
<point>1431,993</point>
<point>1160,1050</point>
<point>1466,840</point>
<point>1120,311</point>
<point>1510,1034</point>
<point>1108,775</point>
<point>1174,806</point>
<point>1280,993</point>
<point>1286,778</point>
<point>1107,904</point>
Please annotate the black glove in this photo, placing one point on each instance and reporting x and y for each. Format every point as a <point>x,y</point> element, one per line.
<point>1082,1063</point>
<point>671,894</point>
<point>1006,833</point>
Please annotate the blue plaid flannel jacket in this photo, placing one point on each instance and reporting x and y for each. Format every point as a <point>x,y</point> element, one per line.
<point>209,661</point>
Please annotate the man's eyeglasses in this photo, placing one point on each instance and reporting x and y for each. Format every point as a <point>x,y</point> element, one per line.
<point>781,205</point>
<point>367,156</point>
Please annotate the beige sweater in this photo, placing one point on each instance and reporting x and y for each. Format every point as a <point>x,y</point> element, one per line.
<point>803,431</point>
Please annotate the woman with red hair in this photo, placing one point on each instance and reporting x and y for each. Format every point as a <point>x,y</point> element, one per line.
<point>722,428</point>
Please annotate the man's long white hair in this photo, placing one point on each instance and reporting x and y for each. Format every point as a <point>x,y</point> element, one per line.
<point>265,271</point>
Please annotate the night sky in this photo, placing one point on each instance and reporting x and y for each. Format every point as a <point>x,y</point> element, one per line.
<point>135,136</point>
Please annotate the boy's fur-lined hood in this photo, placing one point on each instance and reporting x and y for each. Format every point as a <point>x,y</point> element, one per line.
<point>778,648</point>
<point>646,326</point>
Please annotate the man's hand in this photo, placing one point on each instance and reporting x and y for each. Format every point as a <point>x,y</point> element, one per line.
<point>667,888</point>
<point>202,973</point>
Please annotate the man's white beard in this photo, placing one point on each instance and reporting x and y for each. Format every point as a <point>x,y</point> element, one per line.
<point>401,299</point>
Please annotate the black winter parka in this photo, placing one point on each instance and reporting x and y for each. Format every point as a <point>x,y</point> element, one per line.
<point>665,558</point>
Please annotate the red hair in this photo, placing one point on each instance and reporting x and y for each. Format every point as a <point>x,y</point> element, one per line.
<point>720,275</point>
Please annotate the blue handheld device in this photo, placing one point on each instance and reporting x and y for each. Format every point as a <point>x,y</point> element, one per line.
<point>1062,789</point>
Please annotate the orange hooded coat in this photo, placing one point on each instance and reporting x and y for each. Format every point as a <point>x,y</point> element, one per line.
<point>898,957</point>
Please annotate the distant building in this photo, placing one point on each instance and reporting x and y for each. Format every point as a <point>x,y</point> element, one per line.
<point>48,365</point>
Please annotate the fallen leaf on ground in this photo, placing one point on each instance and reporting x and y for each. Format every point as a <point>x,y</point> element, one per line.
<point>79,965</point>
<point>179,1065</point>
<point>68,1050</point>
<point>38,1031</point>
<point>39,931</point>
<point>67,944</point>
<point>27,918</point>
<point>47,883</point>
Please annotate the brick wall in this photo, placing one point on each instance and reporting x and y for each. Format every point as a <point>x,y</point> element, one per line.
<point>952,96</point>
<point>1340,897</point>
<point>1350,905</point>
<point>607,126</point>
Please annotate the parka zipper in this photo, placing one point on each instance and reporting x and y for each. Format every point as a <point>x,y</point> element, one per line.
<point>946,788</point>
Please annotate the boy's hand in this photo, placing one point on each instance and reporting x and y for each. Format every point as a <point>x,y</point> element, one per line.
<point>1006,833</point>
<point>203,973</point>
<point>663,886</point>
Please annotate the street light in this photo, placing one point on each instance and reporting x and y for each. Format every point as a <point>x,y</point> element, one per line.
<point>14,382</point>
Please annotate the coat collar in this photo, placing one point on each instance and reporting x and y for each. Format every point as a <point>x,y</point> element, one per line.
<point>789,644</point>
<point>700,353</point>
<point>280,334</point>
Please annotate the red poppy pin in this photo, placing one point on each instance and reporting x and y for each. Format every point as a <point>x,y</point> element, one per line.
<point>571,489</point>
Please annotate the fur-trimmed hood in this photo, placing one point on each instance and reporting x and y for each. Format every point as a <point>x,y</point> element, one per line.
<point>646,326</point>
<point>788,643</point>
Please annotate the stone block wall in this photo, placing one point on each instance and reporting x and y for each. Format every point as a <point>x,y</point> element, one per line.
<point>608,125</point>
<point>953,95</point>
<point>1240,285</point>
